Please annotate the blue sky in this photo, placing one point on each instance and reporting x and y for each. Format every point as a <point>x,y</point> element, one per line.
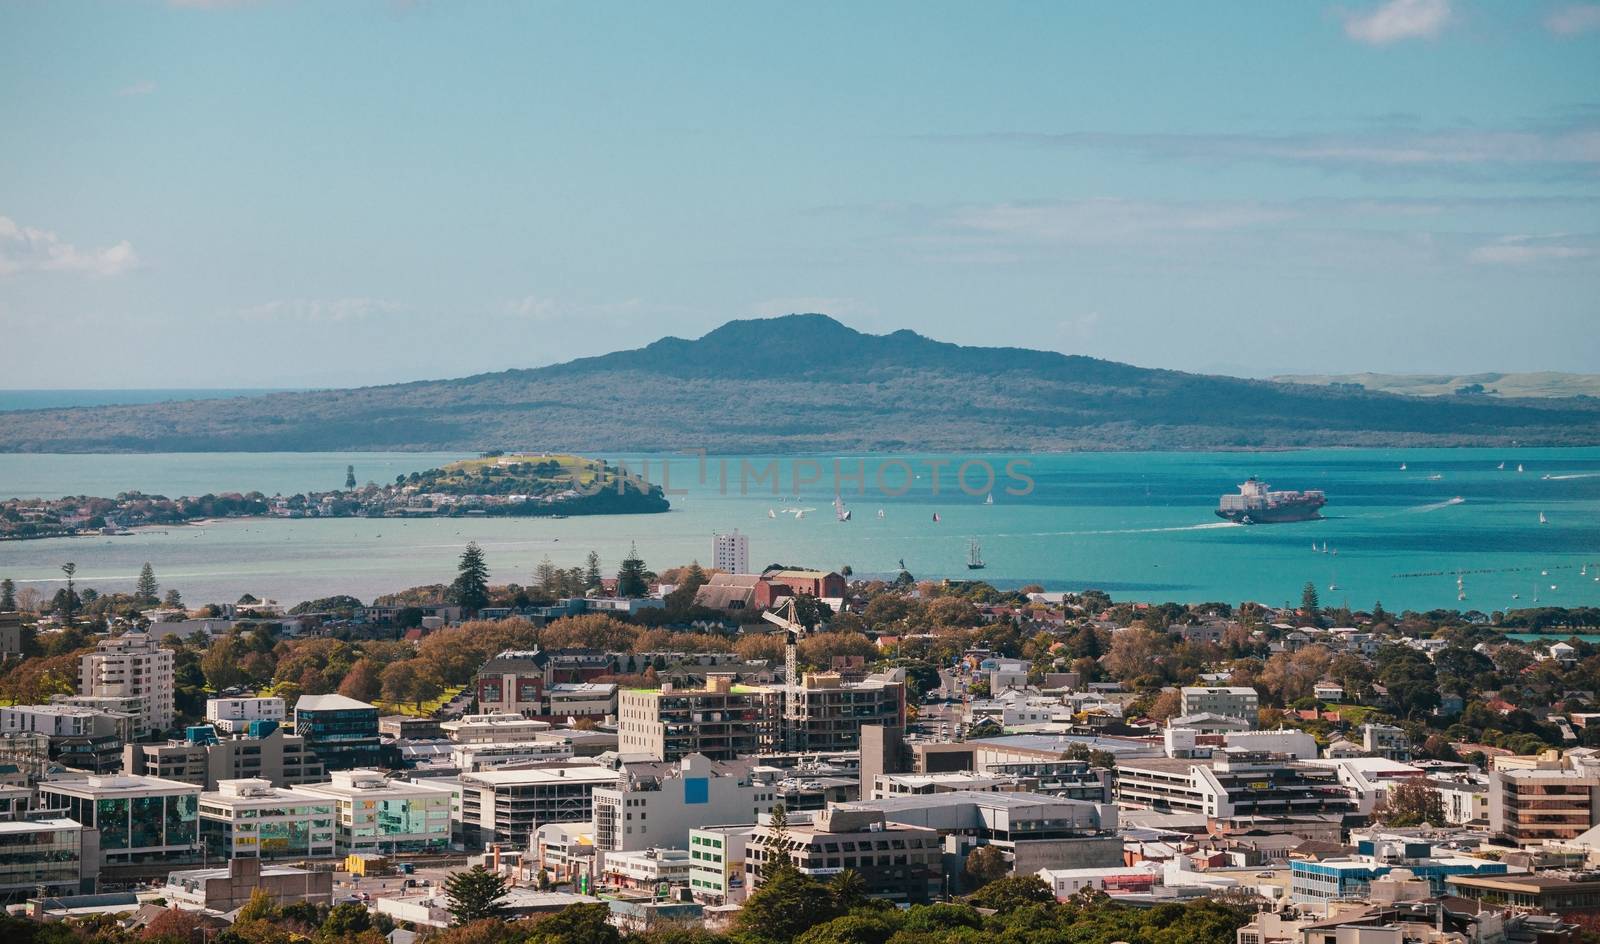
<point>327,194</point>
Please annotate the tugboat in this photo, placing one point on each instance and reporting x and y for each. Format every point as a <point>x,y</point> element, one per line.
<point>1256,503</point>
<point>975,557</point>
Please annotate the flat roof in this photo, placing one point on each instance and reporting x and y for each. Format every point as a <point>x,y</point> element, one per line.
<point>586,773</point>
<point>27,826</point>
<point>1538,882</point>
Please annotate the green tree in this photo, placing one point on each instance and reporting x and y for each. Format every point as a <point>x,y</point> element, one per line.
<point>147,591</point>
<point>1410,802</point>
<point>681,600</point>
<point>547,578</point>
<point>575,924</point>
<point>1309,603</point>
<point>633,580</point>
<point>470,590</point>
<point>786,904</point>
<point>349,476</point>
<point>1011,892</point>
<point>68,602</point>
<point>221,665</point>
<point>591,574</point>
<point>344,921</point>
<point>173,598</point>
<point>8,595</point>
<point>986,864</point>
<point>475,894</point>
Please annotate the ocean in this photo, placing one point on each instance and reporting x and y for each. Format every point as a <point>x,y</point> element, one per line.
<point>52,399</point>
<point>1137,525</point>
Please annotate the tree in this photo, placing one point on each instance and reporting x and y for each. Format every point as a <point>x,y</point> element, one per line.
<point>173,599</point>
<point>475,894</point>
<point>986,864</point>
<point>575,924</point>
<point>1011,892</point>
<point>68,602</point>
<point>8,595</point>
<point>470,590</point>
<point>591,573</point>
<point>221,665</point>
<point>147,591</point>
<point>349,476</point>
<point>546,578</point>
<point>344,921</point>
<point>681,600</point>
<point>1309,603</point>
<point>362,682</point>
<point>632,580</point>
<point>1410,802</point>
<point>403,682</point>
<point>786,904</point>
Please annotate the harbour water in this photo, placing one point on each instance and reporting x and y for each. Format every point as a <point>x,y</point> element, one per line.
<point>1137,525</point>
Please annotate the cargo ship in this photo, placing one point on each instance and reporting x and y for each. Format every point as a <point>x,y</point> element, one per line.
<point>1256,503</point>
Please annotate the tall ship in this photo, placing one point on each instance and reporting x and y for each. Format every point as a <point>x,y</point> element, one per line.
<point>1257,503</point>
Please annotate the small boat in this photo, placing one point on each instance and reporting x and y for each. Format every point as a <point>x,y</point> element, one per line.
<point>1502,467</point>
<point>975,557</point>
<point>1402,467</point>
<point>1519,467</point>
<point>1435,477</point>
<point>1544,573</point>
<point>1455,501</point>
<point>989,499</point>
<point>799,513</point>
<point>880,513</point>
<point>936,517</point>
<point>1584,571</point>
<point>1313,547</point>
<point>840,512</point>
<point>1543,519</point>
<point>771,513</point>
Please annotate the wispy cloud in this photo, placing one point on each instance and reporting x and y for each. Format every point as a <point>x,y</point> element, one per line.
<point>1571,149</point>
<point>1396,20</point>
<point>321,310</point>
<point>142,87</point>
<point>28,249</point>
<point>1519,250</point>
<point>1573,19</point>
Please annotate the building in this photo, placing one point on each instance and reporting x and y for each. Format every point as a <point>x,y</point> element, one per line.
<point>730,593</point>
<point>1233,701</point>
<point>10,635</point>
<point>235,714</point>
<point>379,815</point>
<point>1386,741</point>
<point>723,721</point>
<point>1035,831</point>
<point>825,712</point>
<point>1233,782</point>
<point>132,665</point>
<point>716,863</point>
<point>225,890</point>
<point>548,684</point>
<point>730,553</point>
<point>342,731</point>
<point>409,728</point>
<point>469,758</point>
<point>40,855</point>
<point>507,805</point>
<point>205,760</point>
<point>1318,882</point>
<point>777,584</point>
<point>647,868</point>
<point>899,862</point>
<point>81,738</point>
<point>658,805</point>
<point>1552,799</point>
<point>1565,895</point>
<point>495,727</point>
<point>254,819</point>
<point>131,819</point>
<point>1131,880</point>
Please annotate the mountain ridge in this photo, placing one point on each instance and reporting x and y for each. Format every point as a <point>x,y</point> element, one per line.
<point>808,383</point>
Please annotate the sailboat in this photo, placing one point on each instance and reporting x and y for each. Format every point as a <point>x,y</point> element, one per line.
<point>1502,467</point>
<point>936,517</point>
<point>1543,519</point>
<point>771,513</point>
<point>840,512</point>
<point>880,514</point>
<point>1313,547</point>
<point>975,557</point>
<point>1402,467</point>
<point>1519,467</point>
<point>989,499</point>
<point>1334,583</point>
<point>799,513</point>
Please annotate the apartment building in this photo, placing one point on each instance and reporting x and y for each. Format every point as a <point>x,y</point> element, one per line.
<point>1233,782</point>
<point>281,759</point>
<point>252,818</point>
<point>233,715</point>
<point>132,665</point>
<point>730,552</point>
<point>1233,701</point>
<point>722,721</point>
<point>825,711</point>
<point>897,862</point>
<point>506,805</point>
<point>81,738</point>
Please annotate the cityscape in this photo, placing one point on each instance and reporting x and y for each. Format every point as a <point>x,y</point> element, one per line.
<point>537,472</point>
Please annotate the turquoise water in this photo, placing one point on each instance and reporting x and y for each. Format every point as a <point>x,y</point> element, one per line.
<point>1138,525</point>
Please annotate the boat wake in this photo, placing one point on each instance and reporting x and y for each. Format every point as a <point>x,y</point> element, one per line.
<point>1208,526</point>
<point>1573,475</point>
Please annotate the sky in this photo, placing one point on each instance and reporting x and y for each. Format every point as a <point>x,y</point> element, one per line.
<point>300,194</point>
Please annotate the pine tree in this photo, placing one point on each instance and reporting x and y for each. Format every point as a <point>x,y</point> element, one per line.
<point>8,595</point>
<point>591,577</point>
<point>546,577</point>
<point>148,591</point>
<point>470,591</point>
<point>1309,603</point>
<point>174,599</point>
<point>349,476</point>
<point>68,599</point>
<point>632,580</point>
<point>475,894</point>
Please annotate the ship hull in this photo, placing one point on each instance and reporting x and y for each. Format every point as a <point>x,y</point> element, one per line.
<point>1276,515</point>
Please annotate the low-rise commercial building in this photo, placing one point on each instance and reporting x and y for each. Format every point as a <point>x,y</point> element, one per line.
<point>40,854</point>
<point>1377,855</point>
<point>825,711</point>
<point>235,714</point>
<point>133,819</point>
<point>342,731</point>
<point>227,889</point>
<point>647,868</point>
<point>1232,783</point>
<point>716,863</point>
<point>898,862</point>
<point>379,815</point>
<point>506,805</point>
<point>254,819</point>
<point>78,737</point>
<point>280,758</point>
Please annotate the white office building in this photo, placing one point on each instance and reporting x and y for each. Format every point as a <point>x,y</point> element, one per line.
<point>253,819</point>
<point>1238,701</point>
<point>132,665</point>
<point>730,552</point>
<point>235,714</point>
<point>384,816</point>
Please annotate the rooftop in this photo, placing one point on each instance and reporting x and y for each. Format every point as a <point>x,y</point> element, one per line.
<point>330,703</point>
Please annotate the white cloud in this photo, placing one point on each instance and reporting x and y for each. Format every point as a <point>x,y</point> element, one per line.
<point>1527,250</point>
<point>1573,19</point>
<point>321,310</point>
<point>1108,220</point>
<point>142,87</point>
<point>1397,20</point>
<point>27,249</point>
